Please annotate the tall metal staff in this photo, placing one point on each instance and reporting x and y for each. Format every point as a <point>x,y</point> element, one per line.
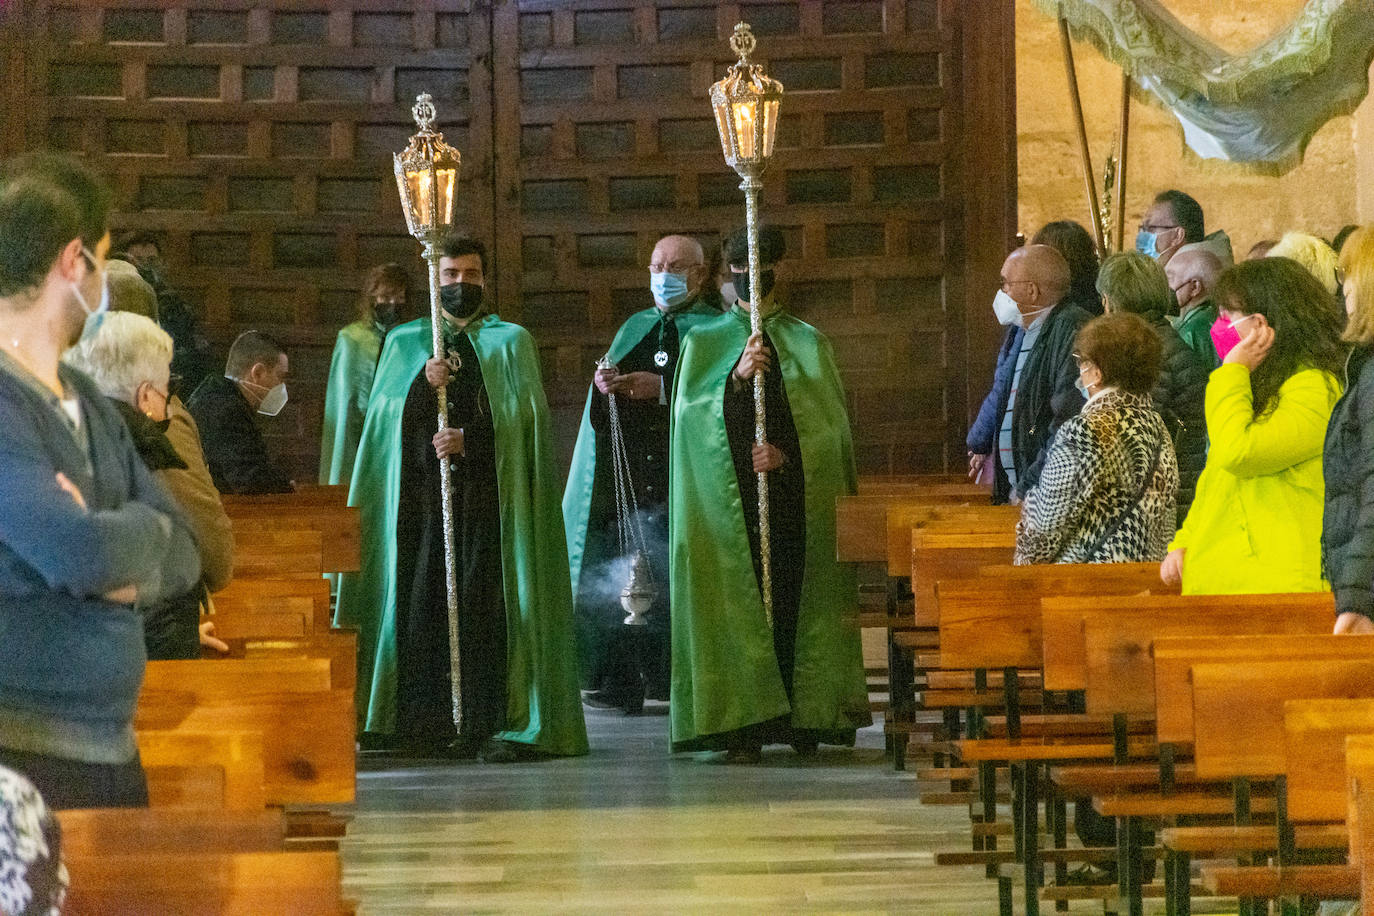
<point>746,104</point>
<point>427,177</point>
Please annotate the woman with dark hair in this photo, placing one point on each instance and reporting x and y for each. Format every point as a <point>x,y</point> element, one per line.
<point>1255,524</point>
<point>352,368</point>
<point>1107,492</point>
<point>1072,241</point>
<point>1133,282</point>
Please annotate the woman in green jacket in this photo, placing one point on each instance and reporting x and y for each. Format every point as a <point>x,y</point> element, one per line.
<point>1255,524</point>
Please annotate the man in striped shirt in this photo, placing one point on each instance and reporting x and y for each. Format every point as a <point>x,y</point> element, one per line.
<point>1033,389</point>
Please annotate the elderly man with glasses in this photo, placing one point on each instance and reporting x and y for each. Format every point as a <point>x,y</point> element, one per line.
<point>619,666</point>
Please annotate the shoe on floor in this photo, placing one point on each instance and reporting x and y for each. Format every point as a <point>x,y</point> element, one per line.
<point>497,751</point>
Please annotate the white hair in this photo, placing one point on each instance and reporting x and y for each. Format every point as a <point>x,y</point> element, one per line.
<point>127,351</point>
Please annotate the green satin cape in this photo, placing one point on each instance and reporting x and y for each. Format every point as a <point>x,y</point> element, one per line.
<point>544,706</point>
<point>345,400</point>
<point>725,672</point>
<point>577,496</point>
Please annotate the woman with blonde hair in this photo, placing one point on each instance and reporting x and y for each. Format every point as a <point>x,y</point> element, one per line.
<point>1348,459</point>
<point>1316,257</point>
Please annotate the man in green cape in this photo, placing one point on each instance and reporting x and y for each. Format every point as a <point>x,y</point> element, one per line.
<point>518,660</point>
<point>736,685</point>
<point>621,665</point>
<point>352,368</point>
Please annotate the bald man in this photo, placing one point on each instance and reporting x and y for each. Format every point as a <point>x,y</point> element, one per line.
<point>1034,388</point>
<point>1192,274</point>
<point>621,665</point>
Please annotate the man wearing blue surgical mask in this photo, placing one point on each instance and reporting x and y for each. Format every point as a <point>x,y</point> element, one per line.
<point>254,381</point>
<point>1034,386</point>
<point>621,666</point>
<point>1173,224</point>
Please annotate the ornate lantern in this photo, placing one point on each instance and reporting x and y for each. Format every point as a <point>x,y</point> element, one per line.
<point>746,103</point>
<point>427,178</point>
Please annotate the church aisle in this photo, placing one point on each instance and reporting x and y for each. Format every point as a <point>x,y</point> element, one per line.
<point>629,829</point>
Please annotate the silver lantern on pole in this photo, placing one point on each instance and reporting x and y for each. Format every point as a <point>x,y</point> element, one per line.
<point>427,178</point>
<point>746,105</point>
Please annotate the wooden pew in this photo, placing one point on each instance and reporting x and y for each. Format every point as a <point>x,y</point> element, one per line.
<point>1359,764</point>
<point>1101,646</point>
<point>1253,746</point>
<point>228,883</point>
<point>338,526</point>
<point>95,831</point>
<point>307,724</point>
<point>294,553</point>
<point>222,770</point>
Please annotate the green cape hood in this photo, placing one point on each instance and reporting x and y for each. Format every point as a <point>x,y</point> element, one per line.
<point>577,497</point>
<point>725,673</point>
<point>544,706</point>
<point>345,400</point>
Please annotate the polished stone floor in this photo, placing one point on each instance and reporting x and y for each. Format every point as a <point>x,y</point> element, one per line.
<point>629,829</point>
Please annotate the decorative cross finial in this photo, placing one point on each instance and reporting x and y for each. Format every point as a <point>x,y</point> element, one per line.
<point>742,42</point>
<point>424,112</point>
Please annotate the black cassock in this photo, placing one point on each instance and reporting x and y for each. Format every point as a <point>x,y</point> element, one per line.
<point>786,516</point>
<point>424,699</point>
<point>616,658</point>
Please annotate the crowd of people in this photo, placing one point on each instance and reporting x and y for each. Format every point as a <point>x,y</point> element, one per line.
<point>1215,418</point>
<point>1161,405</point>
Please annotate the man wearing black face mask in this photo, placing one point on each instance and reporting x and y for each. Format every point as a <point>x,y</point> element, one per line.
<point>740,679</point>
<point>517,664</point>
<point>351,370</point>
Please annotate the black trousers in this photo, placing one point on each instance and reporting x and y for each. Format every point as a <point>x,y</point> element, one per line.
<point>68,784</point>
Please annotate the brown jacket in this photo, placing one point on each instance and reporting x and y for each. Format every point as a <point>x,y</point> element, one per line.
<point>195,492</point>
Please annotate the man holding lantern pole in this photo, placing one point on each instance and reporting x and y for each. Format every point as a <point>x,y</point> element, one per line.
<point>743,678</point>
<point>517,664</point>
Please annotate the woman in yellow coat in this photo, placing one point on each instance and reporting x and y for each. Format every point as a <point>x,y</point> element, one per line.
<point>1255,524</point>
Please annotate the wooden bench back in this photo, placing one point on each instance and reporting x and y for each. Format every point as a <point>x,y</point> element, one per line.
<point>1315,732</point>
<point>307,736</point>
<point>249,595</point>
<point>287,618</point>
<point>903,521</point>
<point>1174,657</point>
<point>877,484</point>
<point>1143,618</point>
<point>233,678</point>
<point>304,495</point>
<point>993,619</point>
<point>949,551</point>
<point>1238,709</point>
<point>861,533</point>
<point>192,884</point>
<point>221,770</point>
<point>95,831</point>
<point>339,527</point>
<point>261,553</point>
<point>1359,768</point>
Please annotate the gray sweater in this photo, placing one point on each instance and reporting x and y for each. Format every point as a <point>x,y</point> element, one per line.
<point>71,662</point>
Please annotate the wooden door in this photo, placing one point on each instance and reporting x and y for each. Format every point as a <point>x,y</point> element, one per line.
<point>255,138</point>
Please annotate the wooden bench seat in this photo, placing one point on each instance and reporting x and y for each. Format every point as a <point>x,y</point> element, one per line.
<point>95,831</point>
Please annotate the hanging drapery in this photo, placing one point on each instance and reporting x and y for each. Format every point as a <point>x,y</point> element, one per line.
<point>1260,107</point>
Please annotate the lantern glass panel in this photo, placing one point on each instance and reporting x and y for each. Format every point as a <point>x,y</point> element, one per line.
<point>770,126</point>
<point>746,127</point>
<point>723,125</point>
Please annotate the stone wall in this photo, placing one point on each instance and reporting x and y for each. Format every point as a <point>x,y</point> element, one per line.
<point>1333,186</point>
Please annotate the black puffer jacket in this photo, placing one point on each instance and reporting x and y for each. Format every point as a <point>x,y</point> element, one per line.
<point>1348,470</point>
<point>1180,398</point>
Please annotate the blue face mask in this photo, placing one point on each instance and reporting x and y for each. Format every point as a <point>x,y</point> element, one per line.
<point>670,290</point>
<point>95,317</point>
<point>1147,243</point>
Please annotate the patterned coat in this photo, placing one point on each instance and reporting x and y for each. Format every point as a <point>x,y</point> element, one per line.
<point>1092,504</point>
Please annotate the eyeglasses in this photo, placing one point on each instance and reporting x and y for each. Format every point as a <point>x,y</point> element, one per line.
<point>1002,285</point>
<point>1155,227</point>
<point>677,267</point>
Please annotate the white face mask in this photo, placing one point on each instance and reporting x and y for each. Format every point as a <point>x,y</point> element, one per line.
<point>95,317</point>
<point>272,402</point>
<point>1009,313</point>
